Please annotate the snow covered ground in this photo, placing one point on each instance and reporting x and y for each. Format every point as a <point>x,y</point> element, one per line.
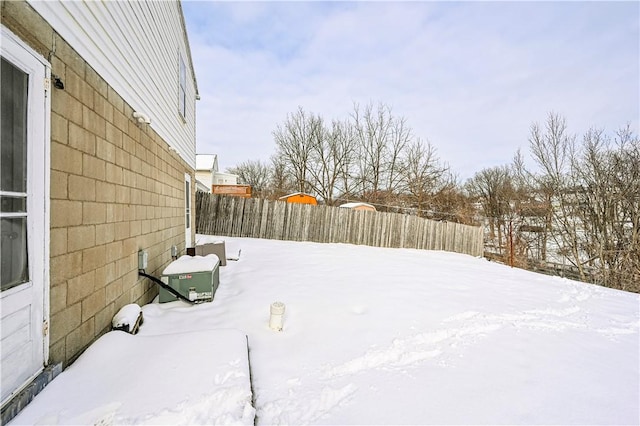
<point>372,336</point>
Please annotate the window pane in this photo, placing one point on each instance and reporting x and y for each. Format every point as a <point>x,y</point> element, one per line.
<point>13,143</point>
<point>13,248</point>
<point>183,74</point>
<point>13,204</point>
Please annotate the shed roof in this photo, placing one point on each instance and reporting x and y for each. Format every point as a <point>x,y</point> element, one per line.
<point>354,205</point>
<point>284,197</point>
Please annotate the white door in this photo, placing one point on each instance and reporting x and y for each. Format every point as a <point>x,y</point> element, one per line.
<point>24,223</point>
<point>187,210</point>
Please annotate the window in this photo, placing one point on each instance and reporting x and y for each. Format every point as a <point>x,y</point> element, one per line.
<point>182,105</point>
<point>13,182</point>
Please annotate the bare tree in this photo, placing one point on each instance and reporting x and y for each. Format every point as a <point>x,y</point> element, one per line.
<point>533,207</point>
<point>399,139</point>
<point>493,189</point>
<point>608,176</point>
<point>331,156</point>
<point>254,173</point>
<point>452,204</point>
<point>592,191</point>
<point>371,130</point>
<point>381,139</point>
<point>554,151</point>
<point>626,176</point>
<point>294,145</point>
<point>423,174</point>
<point>281,182</point>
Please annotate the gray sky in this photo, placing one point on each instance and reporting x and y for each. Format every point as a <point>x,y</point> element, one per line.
<point>470,77</point>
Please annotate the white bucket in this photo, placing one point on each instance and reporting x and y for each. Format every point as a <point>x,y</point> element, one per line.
<point>277,312</point>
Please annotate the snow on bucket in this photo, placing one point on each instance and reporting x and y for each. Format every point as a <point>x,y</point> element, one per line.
<point>277,312</point>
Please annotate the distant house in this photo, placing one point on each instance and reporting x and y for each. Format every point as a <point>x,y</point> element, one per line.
<point>208,174</point>
<point>98,162</point>
<point>220,178</point>
<point>206,165</point>
<point>359,206</point>
<point>299,197</point>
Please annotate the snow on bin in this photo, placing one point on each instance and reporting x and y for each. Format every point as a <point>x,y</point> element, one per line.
<point>195,277</point>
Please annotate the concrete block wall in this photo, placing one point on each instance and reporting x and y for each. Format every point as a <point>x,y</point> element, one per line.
<point>116,188</point>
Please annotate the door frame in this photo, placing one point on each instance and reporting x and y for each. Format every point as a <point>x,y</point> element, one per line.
<point>22,56</point>
<point>188,211</point>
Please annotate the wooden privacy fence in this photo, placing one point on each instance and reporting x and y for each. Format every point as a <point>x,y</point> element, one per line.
<point>278,220</point>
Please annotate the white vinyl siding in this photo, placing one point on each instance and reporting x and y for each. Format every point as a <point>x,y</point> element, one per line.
<point>204,176</point>
<point>133,46</point>
<point>225,179</point>
<point>182,100</point>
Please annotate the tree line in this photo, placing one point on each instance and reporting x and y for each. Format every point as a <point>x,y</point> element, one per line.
<point>578,204</point>
<point>372,156</point>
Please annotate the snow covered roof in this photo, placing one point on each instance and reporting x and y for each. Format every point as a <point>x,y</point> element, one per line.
<point>223,174</point>
<point>284,197</point>
<point>200,186</point>
<point>205,161</point>
<point>355,205</point>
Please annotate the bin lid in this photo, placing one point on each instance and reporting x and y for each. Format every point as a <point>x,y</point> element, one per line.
<point>187,264</point>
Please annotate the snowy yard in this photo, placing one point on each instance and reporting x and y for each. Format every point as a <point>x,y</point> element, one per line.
<point>371,336</point>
